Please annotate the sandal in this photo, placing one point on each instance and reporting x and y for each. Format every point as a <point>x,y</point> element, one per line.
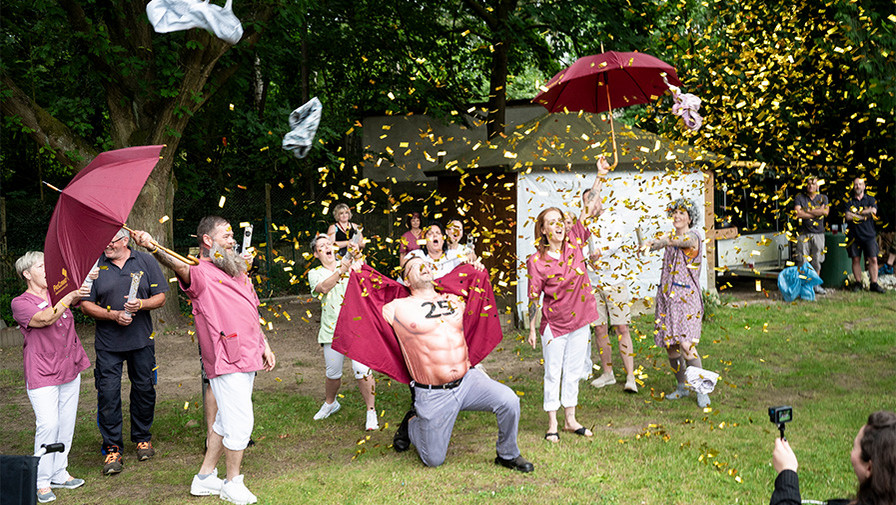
<point>583,432</point>
<point>552,437</point>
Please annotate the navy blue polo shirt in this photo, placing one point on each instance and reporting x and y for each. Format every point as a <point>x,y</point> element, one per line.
<point>110,290</point>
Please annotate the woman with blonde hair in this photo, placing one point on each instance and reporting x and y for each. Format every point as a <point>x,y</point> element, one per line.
<point>53,359</point>
<point>344,231</point>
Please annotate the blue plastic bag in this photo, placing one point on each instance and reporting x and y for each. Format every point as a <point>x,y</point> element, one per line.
<point>798,282</point>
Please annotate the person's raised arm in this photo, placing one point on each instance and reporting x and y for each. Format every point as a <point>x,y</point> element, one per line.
<point>181,269</point>
<point>593,201</point>
<point>323,287</point>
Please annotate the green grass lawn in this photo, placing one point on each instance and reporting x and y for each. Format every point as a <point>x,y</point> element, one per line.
<point>833,360</point>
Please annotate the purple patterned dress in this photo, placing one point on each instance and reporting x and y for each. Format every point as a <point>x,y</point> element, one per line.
<point>679,300</point>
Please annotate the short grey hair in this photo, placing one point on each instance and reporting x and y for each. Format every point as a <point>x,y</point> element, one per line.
<point>122,233</point>
<point>28,260</point>
<point>687,205</point>
<point>316,239</point>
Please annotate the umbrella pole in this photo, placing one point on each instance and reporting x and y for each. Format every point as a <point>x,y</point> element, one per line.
<point>612,129</point>
<point>189,260</point>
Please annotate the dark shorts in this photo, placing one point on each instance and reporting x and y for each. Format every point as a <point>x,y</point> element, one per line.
<point>856,247</point>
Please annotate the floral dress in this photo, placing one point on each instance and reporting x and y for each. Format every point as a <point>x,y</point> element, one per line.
<point>679,300</point>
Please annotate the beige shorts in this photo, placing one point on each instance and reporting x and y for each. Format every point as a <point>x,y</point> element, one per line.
<point>614,304</point>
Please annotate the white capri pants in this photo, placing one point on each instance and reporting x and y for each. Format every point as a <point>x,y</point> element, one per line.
<point>235,417</point>
<point>55,411</point>
<point>564,366</point>
<point>334,361</point>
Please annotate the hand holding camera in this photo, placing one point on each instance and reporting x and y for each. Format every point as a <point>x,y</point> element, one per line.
<point>783,457</point>
<point>779,416</point>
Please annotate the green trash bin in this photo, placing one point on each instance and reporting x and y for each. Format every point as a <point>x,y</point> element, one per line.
<point>837,265</point>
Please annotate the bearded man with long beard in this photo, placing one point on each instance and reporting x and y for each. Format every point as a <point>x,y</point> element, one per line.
<point>234,348</point>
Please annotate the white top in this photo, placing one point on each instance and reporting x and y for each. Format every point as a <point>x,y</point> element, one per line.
<point>443,265</point>
<point>608,236</point>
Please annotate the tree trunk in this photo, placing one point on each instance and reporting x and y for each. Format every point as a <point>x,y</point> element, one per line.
<point>154,203</point>
<point>497,98</point>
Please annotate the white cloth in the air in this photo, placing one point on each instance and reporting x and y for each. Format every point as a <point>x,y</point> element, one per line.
<point>303,122</point>
<point>175,15</point>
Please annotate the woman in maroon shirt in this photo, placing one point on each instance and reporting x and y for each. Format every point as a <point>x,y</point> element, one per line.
<point>557,272</point>
<point>54,359</point>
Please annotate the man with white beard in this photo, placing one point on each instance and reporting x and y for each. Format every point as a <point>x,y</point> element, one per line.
<point>234,348</point>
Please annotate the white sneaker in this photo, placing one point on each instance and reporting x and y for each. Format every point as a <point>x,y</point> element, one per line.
<point>372,422</point>
<point>327,409</point>
<point>235,491</point>
<point>607,379</point>
<point>703,400</point>
<point>210,485</point>
<point>630,385</point>
<point>820,290</point>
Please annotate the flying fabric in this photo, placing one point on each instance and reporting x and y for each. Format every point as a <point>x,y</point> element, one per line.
<point>175,15</point>
<point>303,123</point>
<point>364,336</point>
<point>686,106</point>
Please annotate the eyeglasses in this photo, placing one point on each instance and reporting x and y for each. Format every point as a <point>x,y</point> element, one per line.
<point>119,239</point>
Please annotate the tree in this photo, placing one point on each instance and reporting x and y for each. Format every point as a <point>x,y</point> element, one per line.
<point>145,87</point>
<point>797,88</point>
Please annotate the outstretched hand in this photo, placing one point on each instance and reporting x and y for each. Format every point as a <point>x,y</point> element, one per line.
<point>603,166</point>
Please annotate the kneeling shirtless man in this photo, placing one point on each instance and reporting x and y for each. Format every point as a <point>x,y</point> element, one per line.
<point>429,327</point>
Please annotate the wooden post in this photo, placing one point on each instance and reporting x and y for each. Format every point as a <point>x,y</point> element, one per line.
<point>709,218</point>
<point>712,234</point>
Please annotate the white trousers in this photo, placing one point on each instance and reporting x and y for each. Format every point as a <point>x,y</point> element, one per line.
<point>334,361</point>
<point>565,359</point>
<point>55,411</point>
<point>235,417</point>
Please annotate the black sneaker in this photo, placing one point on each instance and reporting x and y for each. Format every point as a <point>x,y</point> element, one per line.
<point>145,451</point>
<point>402,440</point>
<point>518,463</point>
<point>875,288</point>
<point>854,287</point>
<point>113,463</point>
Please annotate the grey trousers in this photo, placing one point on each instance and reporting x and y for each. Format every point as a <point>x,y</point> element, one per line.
<point>437,409</point>
<point>810,245</point>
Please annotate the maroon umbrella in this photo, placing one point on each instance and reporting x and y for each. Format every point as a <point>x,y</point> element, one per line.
<point>600,82</point>
<point>90,210</point>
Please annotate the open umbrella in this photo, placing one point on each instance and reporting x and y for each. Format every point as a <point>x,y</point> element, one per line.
<point>626,78</point>
<point>90,210</point>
